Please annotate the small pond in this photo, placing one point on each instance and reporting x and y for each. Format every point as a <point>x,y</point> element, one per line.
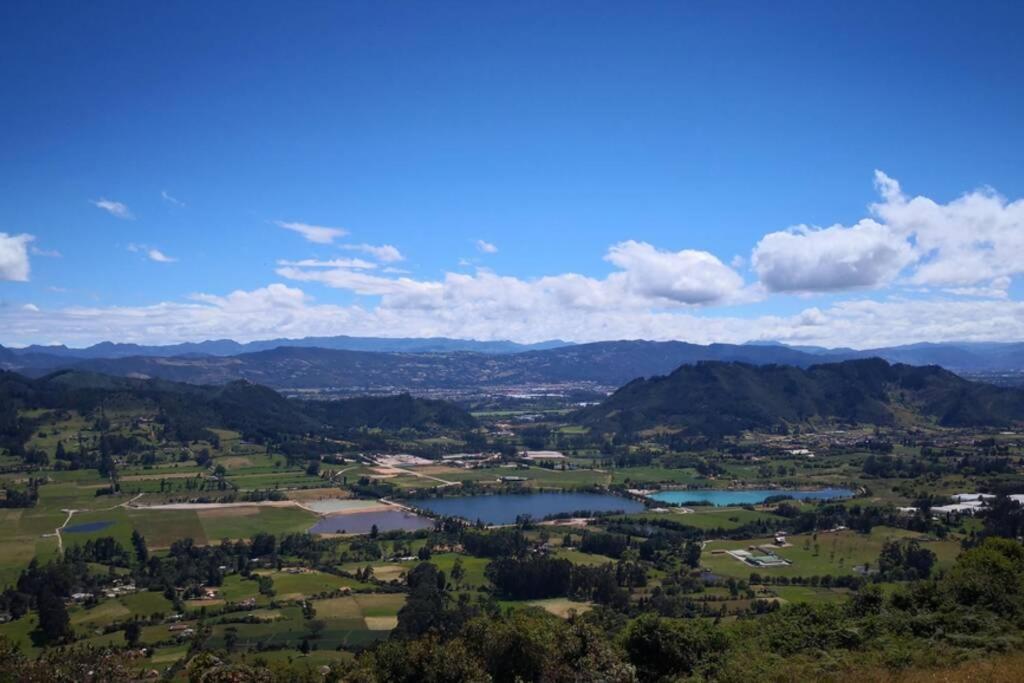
<point>87,527</point>
<point>363,522</point>
<point>504,508</point>
<point>723,498</point>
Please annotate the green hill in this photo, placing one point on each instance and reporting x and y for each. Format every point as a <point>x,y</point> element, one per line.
<point>716,399</point>
<point>186,410</point>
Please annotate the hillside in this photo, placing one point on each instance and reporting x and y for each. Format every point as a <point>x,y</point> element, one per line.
<point>726,398</point>
<point>186,409</point>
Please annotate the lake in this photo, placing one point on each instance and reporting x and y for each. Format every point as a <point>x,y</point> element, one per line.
<point>86,528</point>
<point>724,498</point>
<point>504,508</point>
<point>363,522</point>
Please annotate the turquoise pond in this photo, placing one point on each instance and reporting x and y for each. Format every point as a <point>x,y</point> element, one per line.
<point>504,508</point>
<point>723,498</point>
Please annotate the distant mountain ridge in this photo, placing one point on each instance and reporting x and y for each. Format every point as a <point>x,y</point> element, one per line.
<point>716,399</point>
<point>607,364</point>
<point>424,364</point>
<point>229,347</point>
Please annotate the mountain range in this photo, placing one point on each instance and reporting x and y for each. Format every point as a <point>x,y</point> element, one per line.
<point>356,364</point>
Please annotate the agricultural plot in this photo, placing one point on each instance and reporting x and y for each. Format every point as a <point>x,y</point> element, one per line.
<point>832,554</point>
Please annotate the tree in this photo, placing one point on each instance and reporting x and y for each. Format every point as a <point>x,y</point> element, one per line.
<point>230,638</point>
<point>424,609</point>
<point>54,624</point>
<point>304,647</point>
<point>458,572</point>
<point>141,550</point>
<point>316,628</point>
<point>661,647</point>
<point>691,554</point>
<point>132,632</point>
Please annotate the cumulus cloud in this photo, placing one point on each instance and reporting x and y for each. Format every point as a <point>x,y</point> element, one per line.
<point>974,238</point>
<point>114,208</point>
<point>14,262</point>
<point>646,278</point>
<point>687,276</point>
<point>318,234</point>
<point>806,259</point>
<point>385,253</point>
<point>957,246</point>
<point>486,247</point>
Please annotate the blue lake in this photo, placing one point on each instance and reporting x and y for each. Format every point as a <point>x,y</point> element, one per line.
<point>504,508</point>
<point>86,528</point>
<point>723,498</point>
<point>363,522</point>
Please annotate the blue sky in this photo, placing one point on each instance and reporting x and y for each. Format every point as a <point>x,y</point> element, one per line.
<point>635,168</point>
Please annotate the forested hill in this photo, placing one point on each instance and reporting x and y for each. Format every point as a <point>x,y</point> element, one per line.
<point>186,410</point>
<point>726,398</point>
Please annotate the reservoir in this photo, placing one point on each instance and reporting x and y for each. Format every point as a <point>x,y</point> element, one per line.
<point>363,522</point>
<point>723,498</point>
<point>504,508</point>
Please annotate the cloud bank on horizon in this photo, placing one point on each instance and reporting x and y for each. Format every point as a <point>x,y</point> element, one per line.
<point>912,270</point>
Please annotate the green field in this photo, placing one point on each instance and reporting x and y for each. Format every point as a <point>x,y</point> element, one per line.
<point>829,554</point>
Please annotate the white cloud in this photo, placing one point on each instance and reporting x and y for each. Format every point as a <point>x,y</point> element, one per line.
<point>151,253</point>
<point>486,247</point>
<point>385,253</point>
<point>14,262</point>
<point>332,263</point>
<point>957,246</point>
<point>646,278</point>
<point>159,256</point>
<point>997,289</point>
<point>31,308</point>
<point>171,200</point>
<point>318,234</point>
<point>49,253</point>
<point>686,277</point>
<point>114,208</point>
<point>806,259</point>
<point>974,238</point>
<point>560,308</point>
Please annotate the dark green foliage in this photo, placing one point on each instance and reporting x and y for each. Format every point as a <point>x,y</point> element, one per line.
<point>717,399</point>
<point>186,412</point>
<point>54,623</point>
<point>663,649</point>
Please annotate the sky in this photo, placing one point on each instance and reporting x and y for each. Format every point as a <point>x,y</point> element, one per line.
<point>838,174</point>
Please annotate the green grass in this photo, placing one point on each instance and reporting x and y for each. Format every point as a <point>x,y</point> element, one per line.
<point>310,583</point>
<point>711,518</point>
<point>836,553</point>
<point>235,523</point>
